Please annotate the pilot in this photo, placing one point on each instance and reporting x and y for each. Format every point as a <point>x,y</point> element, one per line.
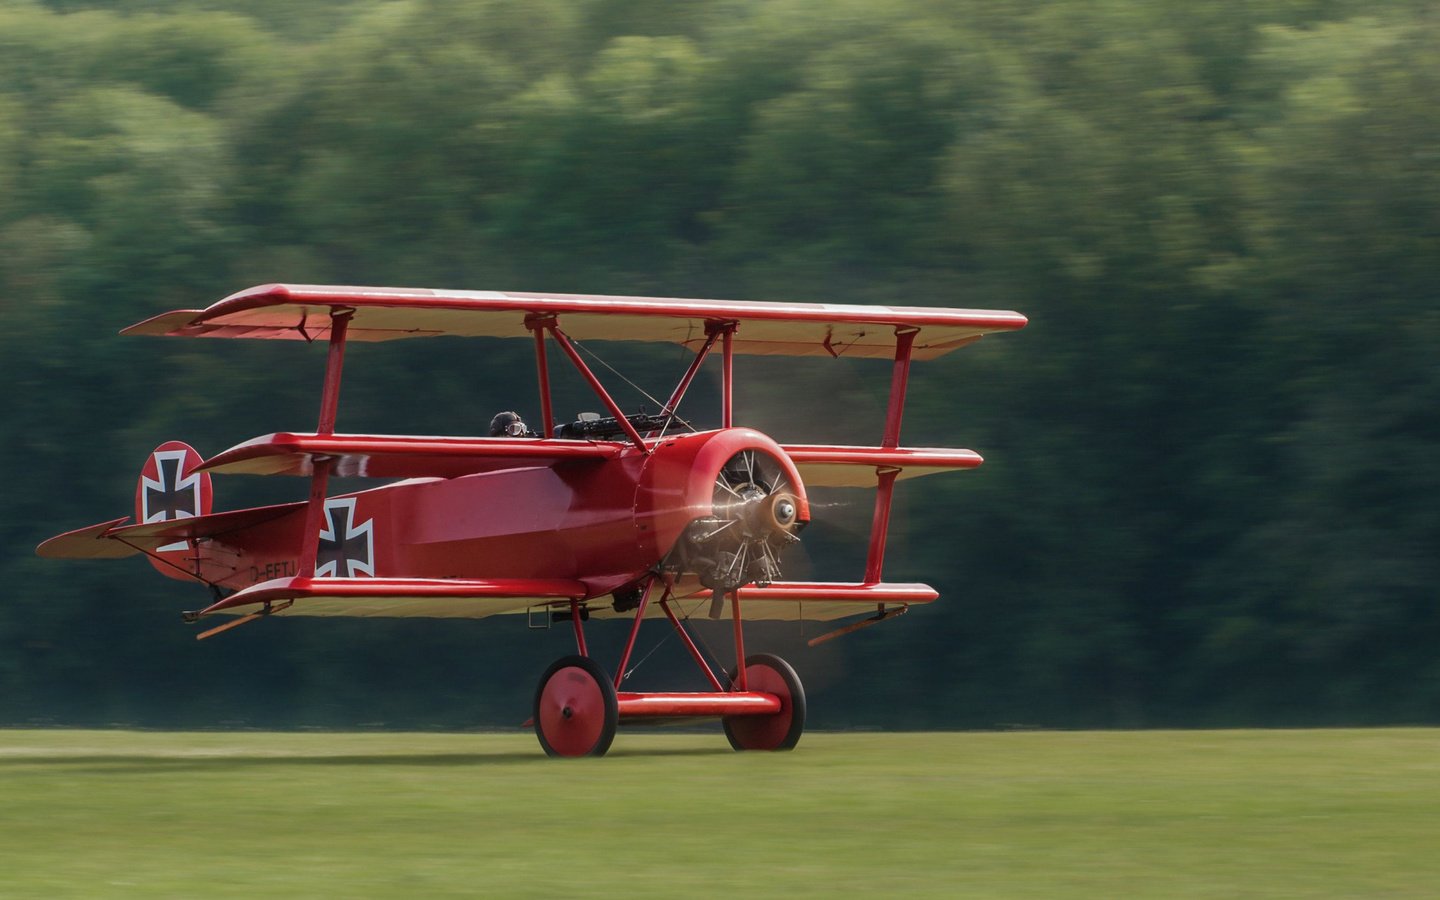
<point>509,424</point>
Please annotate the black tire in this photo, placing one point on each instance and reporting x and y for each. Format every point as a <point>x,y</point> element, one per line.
<point>575,708</point>
<point>780,731</point>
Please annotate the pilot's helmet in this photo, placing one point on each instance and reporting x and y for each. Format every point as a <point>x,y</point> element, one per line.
<point>507,424</point>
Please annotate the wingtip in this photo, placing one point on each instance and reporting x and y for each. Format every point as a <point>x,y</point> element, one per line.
<point>90,542</point>
<point>163,325</point>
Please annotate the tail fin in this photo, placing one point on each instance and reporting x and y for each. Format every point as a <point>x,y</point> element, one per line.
<point>170,489</point>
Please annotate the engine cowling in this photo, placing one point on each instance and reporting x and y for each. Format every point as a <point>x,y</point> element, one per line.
<point>721,505</point>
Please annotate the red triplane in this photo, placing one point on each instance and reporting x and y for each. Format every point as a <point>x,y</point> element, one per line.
<point>603,518</point>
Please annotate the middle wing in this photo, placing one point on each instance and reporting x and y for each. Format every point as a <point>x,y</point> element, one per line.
<point>400,456</point>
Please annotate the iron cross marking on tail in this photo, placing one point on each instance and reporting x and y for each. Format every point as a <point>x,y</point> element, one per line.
<point>345,550</point>
<point>172,497</point>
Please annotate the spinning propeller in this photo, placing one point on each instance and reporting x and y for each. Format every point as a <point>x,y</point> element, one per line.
<point>756,515</point>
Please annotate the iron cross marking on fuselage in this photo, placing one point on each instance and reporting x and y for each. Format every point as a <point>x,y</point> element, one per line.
<point>171,497</point>
<point>345,549</point>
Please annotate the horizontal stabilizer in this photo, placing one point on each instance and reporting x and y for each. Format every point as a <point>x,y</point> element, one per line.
<point>87,543</point>
<point>208,526</point>
<point>399,456</point>
<point>838,466</point>
<point>115,540</point>
<point>442,598</point>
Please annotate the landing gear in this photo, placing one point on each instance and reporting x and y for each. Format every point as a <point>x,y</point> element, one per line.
<point>576,711</point>
<point>577,707</point>
<point>769,674</point>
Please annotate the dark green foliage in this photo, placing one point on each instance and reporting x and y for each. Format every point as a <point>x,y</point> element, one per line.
<point>1211,495</point>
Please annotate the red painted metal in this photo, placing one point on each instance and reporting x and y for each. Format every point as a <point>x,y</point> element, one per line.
<point>171,488</point>
<point>276,310</point>
<point>542,369</point>
<point>526,523</point>
<point>635,629</point>
<point>678,394</point>
<point>733,703</point>
<point>843,592</point>
<point>302,587</point>
<point>598,388</point>
<point>876,457</point>
<point>334,363</point>
<point>727,378</point>
<point>603,516</point>
<point>740,677</point>
<point>879,526</point>
<point>885,490</point>
<point>899,379</point>
<point>690,646</point>
<point>601,519</point>
<point>570,711</point>
<point>401,456</point>
<point>314,512</point>
<point>579,628</point>
<point>329,407</point>
<point>781,729</point>
<point>693,460</point>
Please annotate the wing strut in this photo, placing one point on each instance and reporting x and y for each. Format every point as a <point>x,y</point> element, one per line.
<point>727,383</point>
<point>549,324</point>
<point>329,407</point>
<point>885,491</point>
<point>543,371</point>
<point>712,331</point>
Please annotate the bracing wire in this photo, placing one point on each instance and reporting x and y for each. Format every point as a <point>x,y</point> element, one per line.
<point>620,375</point>
<point>617,373</point>
<point>658,644</point>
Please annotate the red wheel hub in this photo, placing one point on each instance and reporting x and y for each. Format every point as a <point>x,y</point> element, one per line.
<point>575,709</point>
<point>769,674</point>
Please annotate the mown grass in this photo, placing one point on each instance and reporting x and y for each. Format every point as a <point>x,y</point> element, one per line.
<point>1160,814</point>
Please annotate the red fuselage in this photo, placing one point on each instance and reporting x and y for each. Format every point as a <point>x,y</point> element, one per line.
<point>603,522</point>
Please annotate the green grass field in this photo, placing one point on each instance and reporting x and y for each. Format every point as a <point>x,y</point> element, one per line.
<point>1161,814</point>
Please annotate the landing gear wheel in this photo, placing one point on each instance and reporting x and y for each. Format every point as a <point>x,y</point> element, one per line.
<point>769,674</point>
<point>576,711</point>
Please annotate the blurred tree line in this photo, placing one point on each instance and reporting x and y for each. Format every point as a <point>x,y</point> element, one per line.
<point>1212,492</point>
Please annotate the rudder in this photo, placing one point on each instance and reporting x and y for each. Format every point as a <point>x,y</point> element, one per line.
<point>170,488</point>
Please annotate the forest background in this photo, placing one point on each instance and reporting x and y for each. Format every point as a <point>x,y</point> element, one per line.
<point>1211,492</point>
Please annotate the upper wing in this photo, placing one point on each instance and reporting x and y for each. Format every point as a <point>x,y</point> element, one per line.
<point>302,312</point>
